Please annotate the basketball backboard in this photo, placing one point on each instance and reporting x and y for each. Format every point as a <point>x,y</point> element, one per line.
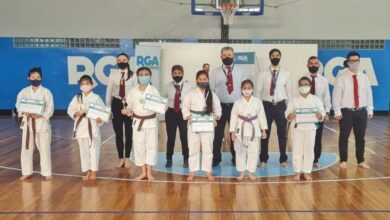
<point>210,7</point>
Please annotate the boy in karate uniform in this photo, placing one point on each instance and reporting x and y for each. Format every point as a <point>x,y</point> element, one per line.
<point>145,130</point>
<point>303,134</point>
<point>200,102</point>
<point>247,124</point>
<point>36,127</point>
<point>86,131</point>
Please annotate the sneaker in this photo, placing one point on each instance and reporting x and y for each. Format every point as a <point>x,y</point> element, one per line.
<point>364,165</point>
<point>168,164</point>
<point>317,165</point>
<point>344,165</point>
<point>284,165</point>
<point>185,164</point>
<point>262,164</point>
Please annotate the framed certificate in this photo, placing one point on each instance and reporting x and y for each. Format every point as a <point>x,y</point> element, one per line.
<point>306,115</point>
<point>202,124</point>
<point>155,103</point>
<point>32,106</point>
<point>96,111</point>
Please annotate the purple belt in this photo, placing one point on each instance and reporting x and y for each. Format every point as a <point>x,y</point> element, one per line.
<point>249,120</point>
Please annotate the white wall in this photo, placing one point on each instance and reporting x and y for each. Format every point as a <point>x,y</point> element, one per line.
<point>306,19</point>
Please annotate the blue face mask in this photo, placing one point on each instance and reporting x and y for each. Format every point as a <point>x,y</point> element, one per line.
<point>144,79</point>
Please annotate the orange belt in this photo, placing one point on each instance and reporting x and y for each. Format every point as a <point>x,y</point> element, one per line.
<point>28,131</point>
<point>143,118</point>
<point>89,127</point>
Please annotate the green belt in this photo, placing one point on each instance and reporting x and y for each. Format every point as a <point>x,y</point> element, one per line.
<point>201,113</point>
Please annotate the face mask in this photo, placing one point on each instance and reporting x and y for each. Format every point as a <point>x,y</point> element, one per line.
<point>275,61</point>
<point>35,82</point>
<point>304,89</point>
<point>313,69</point>
<point>86,88</point>
<point>353,66</point>
<point>144,79</point>
<point>177,78</point>
<point>247,92</point>
<point>227,61</point>
<point>202,85</point>
<point>122,65</point>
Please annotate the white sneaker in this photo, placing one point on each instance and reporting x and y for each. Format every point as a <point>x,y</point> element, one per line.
<point>262,164</point>
<point>343,165</point>
<point>284,165</point>
<point>364,165</point>
<point>317,165</point>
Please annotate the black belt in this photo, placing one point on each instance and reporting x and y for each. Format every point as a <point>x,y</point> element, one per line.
<point>227,104</point>
<point>354,109</point>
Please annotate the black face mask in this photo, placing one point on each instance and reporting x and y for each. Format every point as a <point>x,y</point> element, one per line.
<point>275,61</point>
<point>177,78</point>
<point>202,85</point>
<point>227,61</point>
<point>122,65</point>
<point>35,82</point>
<point>313,69</point>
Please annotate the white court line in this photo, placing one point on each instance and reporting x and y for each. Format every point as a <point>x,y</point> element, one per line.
<point>349,139</point>
<point>222,183</point>
<point>4,140</point>
<point>105,141</point>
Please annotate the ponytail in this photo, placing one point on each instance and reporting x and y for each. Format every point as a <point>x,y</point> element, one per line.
<point>208,94</point>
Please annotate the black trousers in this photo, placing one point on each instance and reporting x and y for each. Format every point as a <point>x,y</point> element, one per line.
<point>219,134</point>
<point>275,112</point>
<point>358,121</point>
<point>318,142</point>
<point>173,120</point>
<point>117,122</point>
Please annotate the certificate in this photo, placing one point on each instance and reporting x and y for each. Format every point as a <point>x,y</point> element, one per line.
<point>202,123</point>
<point>33,106</point>
<point>96,111</point>
<point>306,115</point>
<point>155,103</point>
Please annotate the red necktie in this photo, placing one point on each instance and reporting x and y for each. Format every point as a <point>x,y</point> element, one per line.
<point>273,83</point>
<point>355,91</point>
<point>122,92</point>
<point>229,80</point>
<point>176,104</point>
<point>313,85</point>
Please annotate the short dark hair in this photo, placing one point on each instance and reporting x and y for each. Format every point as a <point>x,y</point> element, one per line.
<point>274,50</point>
<point>123,54</point>
<point>205,65</point>
<point>177,67</point>
<point>227,48</point>
<point>86,78</point>
<point>345,64</point>
<point>312,58</point>
<point>144,68</point>
<point>247,81</point>
<point>352,53</point>
<point>303,79</point>
<point>35,70</point>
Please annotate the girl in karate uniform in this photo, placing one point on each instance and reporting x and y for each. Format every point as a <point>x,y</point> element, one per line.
<point>86,131</point>
<point>145,130</point>
<point>36,129</point>
<point>303,134</point>
<point>247,124</point>
<point>199,102</point>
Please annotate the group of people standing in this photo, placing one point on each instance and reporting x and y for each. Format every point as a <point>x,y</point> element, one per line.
<point>224,93</point>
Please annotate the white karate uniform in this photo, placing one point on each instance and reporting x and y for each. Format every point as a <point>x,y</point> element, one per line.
<point>89,149</point>
<point>145,141</point>
<point>247,150</point>
<point>195,101</point>
<point>43,131</point>
<point>303,135</point>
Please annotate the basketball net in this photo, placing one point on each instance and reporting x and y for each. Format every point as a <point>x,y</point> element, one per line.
<point>228,10</point>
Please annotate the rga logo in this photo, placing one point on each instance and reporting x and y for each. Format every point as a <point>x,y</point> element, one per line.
<point>337,63</point>
<point>80,65</point>
<point>148,61</point>
<point>242,58</point>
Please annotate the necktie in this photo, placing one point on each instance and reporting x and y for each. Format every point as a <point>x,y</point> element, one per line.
<point>273,83</point>
<point>176,104</point>
<point>229,80</point>
<point>122,92</point>
<point>313,85</point>
<point>355,91</point>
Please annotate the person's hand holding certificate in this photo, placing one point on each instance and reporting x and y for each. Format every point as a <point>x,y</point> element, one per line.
<point>202,123</point>
<point>32,106</point>
<point>306,115</point>
<point>155,103</point>
<point>95,111</point>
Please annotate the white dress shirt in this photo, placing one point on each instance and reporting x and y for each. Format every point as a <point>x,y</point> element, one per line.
<point>322,90</point>
<point>283,88</point>
<point>113,85</point>
<point>218,83</point>
<point>195,100</point>
<point>343,96</point>
<point>169,92</point>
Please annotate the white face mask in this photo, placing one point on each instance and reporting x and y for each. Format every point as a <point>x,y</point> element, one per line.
<point>304,89</point>
<point>247,92</point>
<point>86,88</point>
<point>353,66</point>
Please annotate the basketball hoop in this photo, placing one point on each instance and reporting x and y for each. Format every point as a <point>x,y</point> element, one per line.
<point>228,10</point>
